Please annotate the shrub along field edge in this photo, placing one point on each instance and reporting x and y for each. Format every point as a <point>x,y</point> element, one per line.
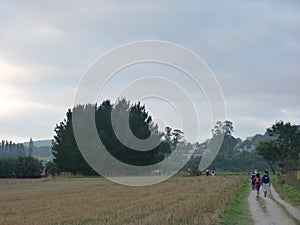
<point>285,186</point>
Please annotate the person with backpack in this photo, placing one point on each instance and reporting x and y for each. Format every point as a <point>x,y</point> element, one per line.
<point>257,182</point>
<point>212,172</point>
<point>265,183</point>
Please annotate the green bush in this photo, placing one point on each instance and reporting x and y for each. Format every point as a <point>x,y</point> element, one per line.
<point>23,167</point>
<point>7,167</point>
<point>50,169</point>
<point>28,167</point>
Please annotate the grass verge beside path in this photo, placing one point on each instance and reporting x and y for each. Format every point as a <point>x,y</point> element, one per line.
<point>233,173</point>
<point>238,211</point>
<point>286,191</point>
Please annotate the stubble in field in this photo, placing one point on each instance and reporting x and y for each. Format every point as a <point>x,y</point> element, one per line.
<point>180,200</point>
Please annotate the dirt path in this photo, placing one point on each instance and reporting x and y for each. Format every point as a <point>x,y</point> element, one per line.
<point>294,211</point>
<point>273,213</point>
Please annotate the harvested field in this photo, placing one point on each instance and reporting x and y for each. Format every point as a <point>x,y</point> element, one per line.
<point>179,200</point>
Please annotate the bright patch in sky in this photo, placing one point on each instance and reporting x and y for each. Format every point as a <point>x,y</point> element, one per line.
<point>252,47</point>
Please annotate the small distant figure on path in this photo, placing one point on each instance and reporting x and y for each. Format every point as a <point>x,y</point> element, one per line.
<point>207,172</point>
<point>257,182</point>
<point>253,175</point>
<point>212,172</point>
<point>265,183</point>
<point>158,172</point>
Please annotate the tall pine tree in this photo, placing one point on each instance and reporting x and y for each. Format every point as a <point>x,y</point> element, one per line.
<point>67,156</point>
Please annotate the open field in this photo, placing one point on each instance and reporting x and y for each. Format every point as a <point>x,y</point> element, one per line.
<point>179,200</point>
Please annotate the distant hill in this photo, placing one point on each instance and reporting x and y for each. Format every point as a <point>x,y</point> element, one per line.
<point>41,149</point>
<point>39,143</point>
<point>258,138</point>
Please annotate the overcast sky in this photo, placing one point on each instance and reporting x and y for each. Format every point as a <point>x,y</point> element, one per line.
<point>253,48</point>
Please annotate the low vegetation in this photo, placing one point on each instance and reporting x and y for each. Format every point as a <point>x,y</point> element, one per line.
<point>288,187</point>
<point>22,167</point>
<point>180,200</point>
<point>238,211</point>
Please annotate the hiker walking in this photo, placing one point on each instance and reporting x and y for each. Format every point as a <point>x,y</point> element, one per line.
<point>265,183</point>
<point>207,172</point>
<point>253,175</point>
<point>257,182</point>
<point>212,172</point>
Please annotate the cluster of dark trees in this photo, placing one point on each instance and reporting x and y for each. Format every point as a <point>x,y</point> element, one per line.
<point>16,161</point>
<point>22,167</point>
<point>11,149</point>
<point>67,156</point>
<point>278,148</point>
<point>231,156</point>
<point>173,137</point>
<point>283,148</point>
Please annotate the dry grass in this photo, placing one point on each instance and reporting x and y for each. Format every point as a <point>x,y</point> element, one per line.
<point>180,200</point>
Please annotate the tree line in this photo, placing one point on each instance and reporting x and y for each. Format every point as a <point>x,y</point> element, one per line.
<point>11,149</point>
<point>67,156</point>
<point>22,167</point>
<point>231,156</point>
<point>278,148</point>
<point>284,147</point>
<point>16,161</point>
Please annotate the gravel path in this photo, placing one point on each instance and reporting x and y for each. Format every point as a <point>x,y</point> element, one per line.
<point>295,211</point>
<point>273,213</point>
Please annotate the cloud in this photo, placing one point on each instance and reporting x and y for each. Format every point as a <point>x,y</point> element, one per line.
<point>10,72</point>
<point>253,48</point>
<point>30,120</point>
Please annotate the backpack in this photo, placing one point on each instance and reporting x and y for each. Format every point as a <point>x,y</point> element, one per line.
<point>266,179</point>
<point>257,180</point>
